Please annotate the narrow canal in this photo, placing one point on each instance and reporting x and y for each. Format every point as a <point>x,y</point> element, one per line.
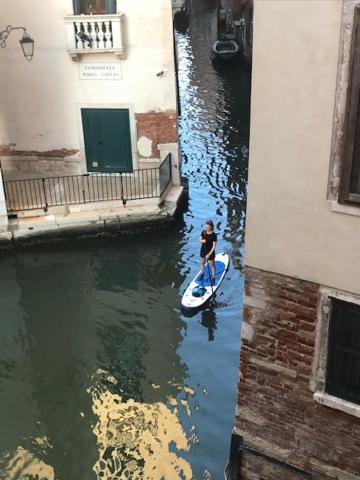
<point>101,376</point>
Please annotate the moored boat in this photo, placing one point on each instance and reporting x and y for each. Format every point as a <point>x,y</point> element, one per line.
<point>225,50</point>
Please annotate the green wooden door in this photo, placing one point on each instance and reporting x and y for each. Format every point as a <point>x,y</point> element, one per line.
<point>107,140</point>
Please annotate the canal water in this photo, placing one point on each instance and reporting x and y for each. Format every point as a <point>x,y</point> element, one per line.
<point>101,375</point>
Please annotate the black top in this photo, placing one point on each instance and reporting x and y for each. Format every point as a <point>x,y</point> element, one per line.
<point>210,239</point>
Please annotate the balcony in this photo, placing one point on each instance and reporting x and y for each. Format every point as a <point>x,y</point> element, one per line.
<point>95,34</point>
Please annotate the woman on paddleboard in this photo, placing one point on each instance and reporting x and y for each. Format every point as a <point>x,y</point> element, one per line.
<point>208,239</point>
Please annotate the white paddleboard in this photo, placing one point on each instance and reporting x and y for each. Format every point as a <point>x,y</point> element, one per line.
<point>203,287</point>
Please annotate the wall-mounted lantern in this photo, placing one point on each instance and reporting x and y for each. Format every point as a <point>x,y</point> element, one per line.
<point>26,42</point>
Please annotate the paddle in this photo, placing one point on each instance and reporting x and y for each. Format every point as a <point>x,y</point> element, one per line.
<point>212,300</point>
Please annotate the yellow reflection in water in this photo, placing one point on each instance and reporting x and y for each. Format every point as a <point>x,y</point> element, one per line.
<point>134,440</point>
<point>23,465</point>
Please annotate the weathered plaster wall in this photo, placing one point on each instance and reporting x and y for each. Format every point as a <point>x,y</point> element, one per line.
<point>159,128</point>
<point>277,414</point>
<point>291,228</point>
<point>40,101</point>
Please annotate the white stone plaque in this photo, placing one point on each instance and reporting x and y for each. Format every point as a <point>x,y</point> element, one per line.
<point>100,71</point>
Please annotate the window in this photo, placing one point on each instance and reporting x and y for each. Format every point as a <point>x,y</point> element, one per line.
<point>94,7</point>
<point>350,181</point>
<point>343,364</point>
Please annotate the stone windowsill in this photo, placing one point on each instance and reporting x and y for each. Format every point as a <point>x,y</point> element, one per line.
<point>348,209</point>
<point>337,403</point>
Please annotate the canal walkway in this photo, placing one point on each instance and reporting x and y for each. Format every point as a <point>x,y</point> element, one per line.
<point>93,219</point>
<point>38,209</point>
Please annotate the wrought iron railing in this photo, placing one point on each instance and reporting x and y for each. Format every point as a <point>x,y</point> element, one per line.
<point>42,193</point>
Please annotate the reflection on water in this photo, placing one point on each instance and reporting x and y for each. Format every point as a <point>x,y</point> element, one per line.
<point>134,439</point>
<point>24,465</point>
<point>89,343</point>
<point>101,376</point>
<point>208,320</point>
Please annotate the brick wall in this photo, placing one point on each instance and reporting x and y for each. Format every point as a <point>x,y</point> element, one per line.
<point>159,127</point>
<point>276,413</point>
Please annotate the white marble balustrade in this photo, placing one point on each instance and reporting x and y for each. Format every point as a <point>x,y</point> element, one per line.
<point>95,33</point>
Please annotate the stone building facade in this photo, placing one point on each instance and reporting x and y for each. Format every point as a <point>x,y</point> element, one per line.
<point>243,26</point>
<point>90,123</point>
<point>298,413</point>
<point>92,57</point>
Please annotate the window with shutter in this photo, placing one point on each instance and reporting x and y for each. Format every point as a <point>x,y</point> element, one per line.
<point>350,178</point>
<point>94,7</point>
<point>343,365</point>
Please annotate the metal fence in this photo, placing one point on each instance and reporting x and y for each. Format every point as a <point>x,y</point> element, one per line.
<point>42,193</point>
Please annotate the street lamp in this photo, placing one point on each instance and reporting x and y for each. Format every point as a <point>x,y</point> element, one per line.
<point>26,42</point>
<point>27,46</point>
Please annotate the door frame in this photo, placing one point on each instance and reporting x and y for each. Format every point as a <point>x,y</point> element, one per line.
<point>104,106</point>
<point>76,7</point>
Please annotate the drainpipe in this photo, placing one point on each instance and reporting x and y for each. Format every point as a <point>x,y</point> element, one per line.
<point>3,210</point>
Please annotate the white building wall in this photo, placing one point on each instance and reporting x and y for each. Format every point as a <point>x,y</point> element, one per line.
<point>291,227</point>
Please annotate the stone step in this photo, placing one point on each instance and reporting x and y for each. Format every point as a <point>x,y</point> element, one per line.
<point>144,165</point>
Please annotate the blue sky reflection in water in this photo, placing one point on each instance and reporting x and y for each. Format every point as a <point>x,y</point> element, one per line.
<point>101,376</point>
